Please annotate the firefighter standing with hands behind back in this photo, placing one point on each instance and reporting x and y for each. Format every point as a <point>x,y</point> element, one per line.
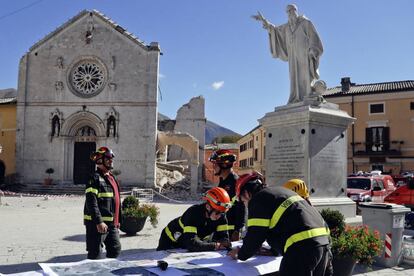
<point>102,212</point>
<point>223,161</point>
<point>287,222</point>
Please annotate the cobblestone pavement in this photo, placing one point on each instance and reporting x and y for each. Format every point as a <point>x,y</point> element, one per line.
<point>36,229</point>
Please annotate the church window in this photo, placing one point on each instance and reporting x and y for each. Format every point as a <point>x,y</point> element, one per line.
<point>87,78</point>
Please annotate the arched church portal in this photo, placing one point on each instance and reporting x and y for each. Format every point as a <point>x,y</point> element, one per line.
<point>2,172</point>
<point>85,144</point>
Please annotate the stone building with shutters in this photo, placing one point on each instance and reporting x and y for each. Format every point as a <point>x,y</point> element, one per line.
<point>89,83</point>
<point>382,137</point>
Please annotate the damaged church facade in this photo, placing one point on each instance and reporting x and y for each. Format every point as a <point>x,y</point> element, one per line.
<point>89,83</point>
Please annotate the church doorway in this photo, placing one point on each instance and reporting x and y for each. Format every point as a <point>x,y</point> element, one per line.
<point>85,144</point>
<point>2,172</point>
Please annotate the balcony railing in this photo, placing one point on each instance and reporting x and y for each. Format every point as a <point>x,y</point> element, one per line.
<point>364,149</point>
<point>390,152</point>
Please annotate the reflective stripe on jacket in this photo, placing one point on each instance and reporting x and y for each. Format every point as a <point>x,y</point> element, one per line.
<point>284,220</point>
<point>236,214</point>
<point>100,203</point>
<point>195,232</point>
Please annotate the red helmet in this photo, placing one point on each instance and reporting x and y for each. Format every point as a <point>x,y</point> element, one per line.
<point>100,153</point>
<point>218,198</point>
<point>243,179</point>
<point>224,158</point>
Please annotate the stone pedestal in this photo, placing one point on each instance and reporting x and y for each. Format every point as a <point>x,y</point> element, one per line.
<point>308,140</point>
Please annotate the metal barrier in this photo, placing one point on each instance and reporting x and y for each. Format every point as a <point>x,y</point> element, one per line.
<point>146,195</point>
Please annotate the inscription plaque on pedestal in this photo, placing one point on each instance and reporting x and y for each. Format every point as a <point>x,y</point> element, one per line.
<point>286,155</point>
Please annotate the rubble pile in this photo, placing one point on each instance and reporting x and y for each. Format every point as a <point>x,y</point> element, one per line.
<point>173,184</point>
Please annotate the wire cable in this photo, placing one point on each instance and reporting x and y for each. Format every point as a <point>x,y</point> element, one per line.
<point>21,9</point>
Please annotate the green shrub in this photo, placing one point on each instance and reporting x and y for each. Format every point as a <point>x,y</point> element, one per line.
<point>359,243</point>
<point>116,172</point>
<point>50,171</point>
<point>335,221</point>
<point>131,208</point>
<point>130,202</point>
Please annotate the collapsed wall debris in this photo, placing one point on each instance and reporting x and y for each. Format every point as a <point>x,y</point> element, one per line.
<point>173,183</point>
<point>189,144</point>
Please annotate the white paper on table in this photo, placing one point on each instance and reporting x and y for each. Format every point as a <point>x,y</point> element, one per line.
<point>256,265</point>
<point>184,257</point>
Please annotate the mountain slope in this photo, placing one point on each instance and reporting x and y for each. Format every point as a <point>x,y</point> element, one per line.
<point>213,130</point>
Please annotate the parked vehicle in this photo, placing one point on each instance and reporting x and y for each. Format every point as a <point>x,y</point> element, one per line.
<point>376,172</point>
<point>409,221</point>
<point>408,174</point>
<point>369,188</point>
<point>400,180</point>
<point>389,183</point>
<point>403,195</point>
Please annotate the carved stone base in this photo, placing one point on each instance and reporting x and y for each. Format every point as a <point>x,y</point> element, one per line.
<point>308,140</point>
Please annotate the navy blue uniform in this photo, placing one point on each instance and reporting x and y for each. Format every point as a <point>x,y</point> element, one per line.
<point>193,231</point>
<point>292,227</point>
<point>236,214</point>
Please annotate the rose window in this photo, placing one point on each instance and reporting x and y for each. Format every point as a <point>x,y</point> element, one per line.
<point>87,78</point>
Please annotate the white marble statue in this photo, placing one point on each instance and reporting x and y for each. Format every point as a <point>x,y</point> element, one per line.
<point>298,43</point>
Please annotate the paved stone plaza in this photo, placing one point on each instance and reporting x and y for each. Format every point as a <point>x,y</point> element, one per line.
<point>36,230</point>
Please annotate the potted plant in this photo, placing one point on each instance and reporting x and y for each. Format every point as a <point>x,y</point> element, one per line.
<point>350,244</point>
<point>135,214</point>
<point>48,180</point>
<point>116,173</point>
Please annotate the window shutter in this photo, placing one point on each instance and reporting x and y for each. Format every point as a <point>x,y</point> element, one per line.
<point>386,138</point>
<point>368,139</point>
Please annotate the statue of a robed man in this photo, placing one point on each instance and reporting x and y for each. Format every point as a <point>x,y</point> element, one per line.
<point>298,43</point>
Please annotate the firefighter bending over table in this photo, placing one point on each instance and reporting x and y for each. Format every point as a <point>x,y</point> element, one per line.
<point>223,161</point>
<point>288,224</point>
<point>202,227</point>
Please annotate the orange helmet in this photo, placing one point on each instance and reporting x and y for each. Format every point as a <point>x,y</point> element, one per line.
<point>218,198</point>
<point>224,158</point>
<point>253,177</point>
<point>100,153</point>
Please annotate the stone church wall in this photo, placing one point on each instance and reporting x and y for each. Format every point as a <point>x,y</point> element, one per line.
<point>54,104</point>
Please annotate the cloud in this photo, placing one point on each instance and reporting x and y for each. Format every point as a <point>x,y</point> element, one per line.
<point>161,76</point>
<point>217,85</point>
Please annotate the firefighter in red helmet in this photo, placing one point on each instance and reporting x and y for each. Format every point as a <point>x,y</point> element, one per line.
<point>223,161</point>
<point>289,225</point>
<point>102,212</point>
<point>202,227</point>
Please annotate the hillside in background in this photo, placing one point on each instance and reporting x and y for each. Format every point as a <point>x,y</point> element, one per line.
<point>213,130</point>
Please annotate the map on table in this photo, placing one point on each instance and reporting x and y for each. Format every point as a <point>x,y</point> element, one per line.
<point>179,264</point>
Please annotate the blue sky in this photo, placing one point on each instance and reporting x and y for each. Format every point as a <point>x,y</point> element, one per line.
<point>213,48</point>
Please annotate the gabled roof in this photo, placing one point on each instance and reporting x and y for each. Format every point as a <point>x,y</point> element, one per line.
<point>104,18</point>
<point>8,96</point>
<point>372,88</point>
<point>251,131</point>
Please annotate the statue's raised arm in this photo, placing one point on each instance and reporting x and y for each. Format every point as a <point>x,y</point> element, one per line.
<point>260,17</point>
